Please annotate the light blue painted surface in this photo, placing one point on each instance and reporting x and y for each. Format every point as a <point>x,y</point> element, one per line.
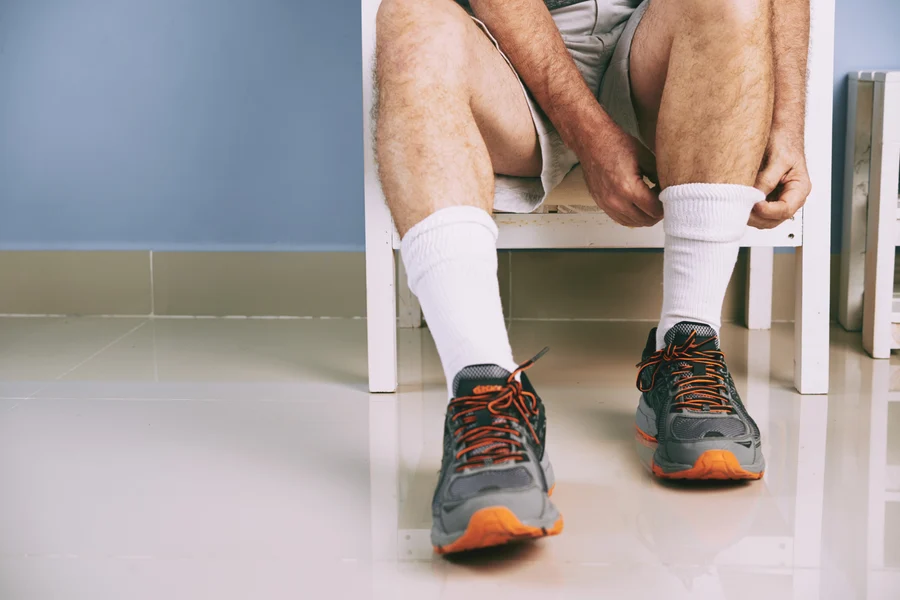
<point>202,124</point>
<point>195,124</point>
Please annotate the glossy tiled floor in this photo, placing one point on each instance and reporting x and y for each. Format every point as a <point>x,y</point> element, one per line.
<point>226,459</point>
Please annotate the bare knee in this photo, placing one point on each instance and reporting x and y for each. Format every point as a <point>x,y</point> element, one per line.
<point>729,16</point>
<point>421,39</point>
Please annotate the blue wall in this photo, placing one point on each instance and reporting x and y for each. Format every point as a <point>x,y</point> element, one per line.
<point>180,124</point>
<point>204,124</point>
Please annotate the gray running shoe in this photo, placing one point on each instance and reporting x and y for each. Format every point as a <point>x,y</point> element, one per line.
<point>691,423</point>
<point>496,478</point>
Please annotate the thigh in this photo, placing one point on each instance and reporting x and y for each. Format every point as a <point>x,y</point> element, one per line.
<point>462,66</point>
<point>501,109</point>
<point>648,63</point>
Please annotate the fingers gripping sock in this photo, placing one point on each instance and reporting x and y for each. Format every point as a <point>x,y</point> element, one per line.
<point>704,223</point>
<point>451,262</point>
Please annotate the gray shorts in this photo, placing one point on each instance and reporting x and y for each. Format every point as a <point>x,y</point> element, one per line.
<point>598,35</point>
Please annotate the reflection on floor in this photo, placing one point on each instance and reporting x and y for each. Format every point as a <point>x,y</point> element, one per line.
<point>244,459</point>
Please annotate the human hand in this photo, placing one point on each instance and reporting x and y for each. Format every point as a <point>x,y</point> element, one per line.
<point>610,160</point>
<point>784,180</point>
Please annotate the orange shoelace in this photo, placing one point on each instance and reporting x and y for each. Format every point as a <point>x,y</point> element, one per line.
<point>501,441</point>
<point>699,382</point>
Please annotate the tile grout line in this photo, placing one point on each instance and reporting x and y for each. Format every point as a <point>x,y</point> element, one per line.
<point>92,356</point>
<point>106,347</point>
<point>152,288</point>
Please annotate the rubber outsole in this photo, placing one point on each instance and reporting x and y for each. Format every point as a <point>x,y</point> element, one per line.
<point>712,465</point>
<point>496,526</point>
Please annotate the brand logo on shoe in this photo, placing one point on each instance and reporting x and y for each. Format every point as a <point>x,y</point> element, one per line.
<point>487,389</point>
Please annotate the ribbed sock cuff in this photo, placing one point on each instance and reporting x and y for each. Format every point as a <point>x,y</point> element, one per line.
<point>450,234</point>
<point>450,216</point>
<point>709,212</point>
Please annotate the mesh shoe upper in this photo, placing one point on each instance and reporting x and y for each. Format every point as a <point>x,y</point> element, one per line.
<point>493,436</point>
<point>689,387</point>
<point>490,480</point>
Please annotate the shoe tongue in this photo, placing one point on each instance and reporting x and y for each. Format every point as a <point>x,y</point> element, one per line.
<point>477,379</point>
<point>706,339</point>
<point>706,335</point>
<point>480,379</point>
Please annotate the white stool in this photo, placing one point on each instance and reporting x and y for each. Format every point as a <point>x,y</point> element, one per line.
<point>871,198</point>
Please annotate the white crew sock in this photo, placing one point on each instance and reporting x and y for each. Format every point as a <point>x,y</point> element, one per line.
<point>704,223</point>
<point>451,261</point>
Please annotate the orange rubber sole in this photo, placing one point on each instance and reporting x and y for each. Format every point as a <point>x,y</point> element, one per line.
<point>496,526</point>
<point>712,465</point>
<point>718,465</point>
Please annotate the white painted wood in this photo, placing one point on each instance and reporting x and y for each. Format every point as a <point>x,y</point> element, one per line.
<point>882,216</point>
<point>381,305</point>
<point>410,316</point>
<point>596,230</point>
<point>760,274</point>
<point>856,195</point>
<point>811,312</point>
<point>599,231</point>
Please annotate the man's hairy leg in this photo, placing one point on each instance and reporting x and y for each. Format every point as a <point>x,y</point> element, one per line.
<point>702,75</point>
<point>451,112</point>
<point>702,80</point>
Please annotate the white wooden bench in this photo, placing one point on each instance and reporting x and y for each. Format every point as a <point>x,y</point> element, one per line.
<point>808,232</point>
<point>871,211</point>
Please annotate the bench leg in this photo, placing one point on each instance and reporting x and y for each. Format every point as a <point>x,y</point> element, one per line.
<point>811,318</point>
<point>856,196</point>
<point>759,287</point>
<point>381,294</point>
<point>381,315</point>
<point>878,339</point>
<point>813,272</point>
